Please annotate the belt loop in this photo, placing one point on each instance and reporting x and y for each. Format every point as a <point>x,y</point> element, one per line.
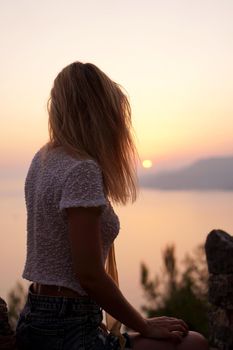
<point>30,290</point>
<point>63,308</point>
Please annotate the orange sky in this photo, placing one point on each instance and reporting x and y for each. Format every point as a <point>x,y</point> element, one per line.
<point>174,57</point>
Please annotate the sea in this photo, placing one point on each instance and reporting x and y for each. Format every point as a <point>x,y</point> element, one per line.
<point>157,219</point>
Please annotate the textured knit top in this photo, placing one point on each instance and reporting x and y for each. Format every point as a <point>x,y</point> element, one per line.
<point>52,184</point>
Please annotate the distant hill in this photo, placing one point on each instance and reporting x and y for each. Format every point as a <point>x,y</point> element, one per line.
<point>204,174</point>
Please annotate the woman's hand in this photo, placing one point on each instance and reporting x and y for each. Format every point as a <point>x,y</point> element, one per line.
<point>166,328</point>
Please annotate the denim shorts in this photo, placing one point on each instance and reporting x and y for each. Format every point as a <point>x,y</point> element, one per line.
<point>62,323</point>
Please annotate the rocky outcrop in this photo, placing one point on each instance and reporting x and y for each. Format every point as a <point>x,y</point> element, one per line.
<point>219,254</point>
<point>7,337</point>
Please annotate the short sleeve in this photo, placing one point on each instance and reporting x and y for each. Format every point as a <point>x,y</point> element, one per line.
<point>83,186</point>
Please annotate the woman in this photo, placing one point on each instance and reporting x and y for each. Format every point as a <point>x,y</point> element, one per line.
<point>71,225</point>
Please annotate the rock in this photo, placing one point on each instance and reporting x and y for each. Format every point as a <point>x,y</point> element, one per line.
<point>221,326</point>
<point>221,290</point>
<point>5,328</point>
<point>7,337</point>
<point>219,252</point>
<point>7,342</point>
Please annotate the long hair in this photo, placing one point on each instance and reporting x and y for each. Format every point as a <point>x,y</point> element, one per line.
<point>90,117</point>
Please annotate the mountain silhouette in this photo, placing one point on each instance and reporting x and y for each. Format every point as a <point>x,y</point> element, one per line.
<point>214,173</point>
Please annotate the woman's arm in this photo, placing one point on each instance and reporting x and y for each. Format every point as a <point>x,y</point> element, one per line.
<point>85,237</point>
<point>84,231</point>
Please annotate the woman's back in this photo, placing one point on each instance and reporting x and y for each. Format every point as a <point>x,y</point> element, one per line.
<point>56,181</point>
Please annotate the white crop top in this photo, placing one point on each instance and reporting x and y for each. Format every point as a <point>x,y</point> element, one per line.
<point>58,182</point>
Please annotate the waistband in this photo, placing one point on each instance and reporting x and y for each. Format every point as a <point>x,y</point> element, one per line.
<point>58,303</point>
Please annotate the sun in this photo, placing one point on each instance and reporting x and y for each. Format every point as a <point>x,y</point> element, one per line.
<point>147,163</point>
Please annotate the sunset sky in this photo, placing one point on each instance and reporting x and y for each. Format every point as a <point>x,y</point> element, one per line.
<point>173,57</point>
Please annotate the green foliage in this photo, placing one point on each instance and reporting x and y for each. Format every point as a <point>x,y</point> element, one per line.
<point>15,300</point>
<point>180,294</point>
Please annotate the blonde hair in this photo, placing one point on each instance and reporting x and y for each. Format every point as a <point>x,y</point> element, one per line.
<point>90,117</point>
